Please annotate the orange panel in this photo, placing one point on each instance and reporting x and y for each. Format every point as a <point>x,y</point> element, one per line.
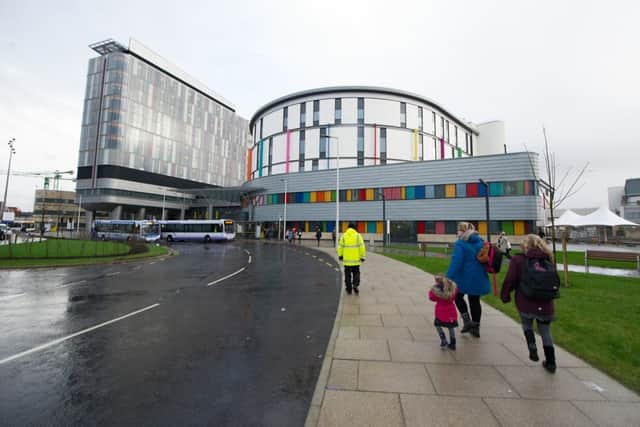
<point>450,190</point>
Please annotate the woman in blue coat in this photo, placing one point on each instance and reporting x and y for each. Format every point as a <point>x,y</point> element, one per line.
<point>469,275</point>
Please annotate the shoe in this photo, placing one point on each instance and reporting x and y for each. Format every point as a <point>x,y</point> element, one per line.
<point>475,329</point>
<point>531,344</point>
<point>348,290</point>
<point>443,341</point>
<point>467,323</point>
<point>452,344</point>
<point>356,290</point>
<point>550,359</point>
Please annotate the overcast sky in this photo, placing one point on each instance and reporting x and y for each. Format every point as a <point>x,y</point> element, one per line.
<point>571,66</point>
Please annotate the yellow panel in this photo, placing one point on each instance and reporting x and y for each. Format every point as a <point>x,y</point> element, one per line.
<point>482,228</point>
<point>518,228</point>
<point>370,194</point>
<point>403,193</point>
<point>450,190</point>
<point>344,225</point>
<point>348,195</point>
<point>306,226</point>
<point>327,196</point>
<point>312,197</point>
<point>379,227</point>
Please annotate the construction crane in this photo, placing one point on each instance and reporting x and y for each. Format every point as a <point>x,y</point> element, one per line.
<point>56,176</point>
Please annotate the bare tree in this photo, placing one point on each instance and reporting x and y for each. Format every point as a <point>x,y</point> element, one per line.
<point>556,192</point>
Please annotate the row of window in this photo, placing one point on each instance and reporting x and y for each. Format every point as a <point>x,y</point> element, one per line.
<point>443,131</point>
<point>438,191</point>
<point>511,228</point>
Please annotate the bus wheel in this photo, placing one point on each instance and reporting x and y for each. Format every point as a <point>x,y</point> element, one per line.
<point>169,238</point>
<point>207,239</point>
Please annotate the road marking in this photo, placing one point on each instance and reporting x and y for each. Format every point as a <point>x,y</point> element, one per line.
<point>68,337</point>
<point>329,264</point>
<point>151,263</point>
<point>226,277</point>
<point>249,259</point>
<point>8,297</point>
<point>136,268</point>
<point>247,252</point>
<point>314,256</point>
<point>70,284</point>
<point>115,273</point>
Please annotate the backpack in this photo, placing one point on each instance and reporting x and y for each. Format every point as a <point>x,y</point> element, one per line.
<point>490,257</point>
<point>539,280</point>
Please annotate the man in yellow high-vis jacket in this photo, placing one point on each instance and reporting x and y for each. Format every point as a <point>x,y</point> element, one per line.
<point>352,252</point>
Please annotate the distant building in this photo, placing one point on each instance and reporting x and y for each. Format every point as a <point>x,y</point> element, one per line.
<point>625,201</point>
<point>57,207</point>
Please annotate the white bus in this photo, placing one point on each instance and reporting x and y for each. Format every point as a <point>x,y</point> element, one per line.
<point>198,230</point>
<point>126,230</point>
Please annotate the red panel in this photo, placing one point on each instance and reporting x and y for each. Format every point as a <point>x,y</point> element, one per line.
<point>362,226</point>
<point>421,227</point>
<point>363,194</point>
<point>440,227</point>
<point>388,193</point>
<point>472,190</point>
<point>397,193</point>
<point>320,196</point>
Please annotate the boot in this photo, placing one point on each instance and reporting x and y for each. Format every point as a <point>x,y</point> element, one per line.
<point>531,343</point>
<point>443,340</point>
<point>466,327</point>
<point>550,359</point>
<point>452,344</point>
<point>475,329</point>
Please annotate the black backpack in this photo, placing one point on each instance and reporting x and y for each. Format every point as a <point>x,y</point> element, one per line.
<point>540,280</point>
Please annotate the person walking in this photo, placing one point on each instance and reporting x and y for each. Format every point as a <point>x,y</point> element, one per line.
<point>318,235</point>
<point>503,245</point>
<point>470,277</point>
<point>443,292</point>
<point>352,252</point>
<point>540,311</point>
<point>299,236</point>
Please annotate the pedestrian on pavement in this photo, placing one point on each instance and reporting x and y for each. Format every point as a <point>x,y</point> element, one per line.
<point>318,235</point>
<point>299,236</point>
<point>470,277</point>
<point>542,311</point>
<point>443,292</point>
<point>352,252</point>
<point>290,235</point>
<point>333,237</point>
<point>503,245</point>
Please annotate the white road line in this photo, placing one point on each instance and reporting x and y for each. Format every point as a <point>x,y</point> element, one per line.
<point>247,252</point>
<point>8,297</point>
<point>249,259</point>
<point>226,277</point>
<point>71,284</point>
<point>115,273</point>
<point>68,337</point>
<point>151,263</point>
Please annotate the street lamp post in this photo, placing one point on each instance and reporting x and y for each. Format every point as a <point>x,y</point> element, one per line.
<point>384,216</point>
<point>337,229</point>
<point>12,151</point>
<point>164,197</point>
<point>486,203</point>
<point>79,209</point>
<point>285,180</point>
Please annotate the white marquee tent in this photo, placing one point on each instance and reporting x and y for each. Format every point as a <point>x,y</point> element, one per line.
<point>601,217</point>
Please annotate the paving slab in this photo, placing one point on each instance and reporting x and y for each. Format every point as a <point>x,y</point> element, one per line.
<point>351,408</point>
<point>378,309</point>
<point>343,375</point>
<point>349,332</point>
<point>394,377</point>
<point>416,351</point>
<point>404,320</point>
<point>612,414</point>
<point>463,380</point>
<point>384,333</point>
<point>478,353</point>
<point>604,385</point>
<point>361,320</point>
<point>537,413</point>
<point>361,350</point>
<point>446,411</point>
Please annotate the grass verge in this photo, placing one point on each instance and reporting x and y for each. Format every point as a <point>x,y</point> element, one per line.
<point>597,318</point>
<point>152,250</point>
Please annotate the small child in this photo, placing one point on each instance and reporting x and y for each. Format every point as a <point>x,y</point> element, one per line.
<point>443,292</point>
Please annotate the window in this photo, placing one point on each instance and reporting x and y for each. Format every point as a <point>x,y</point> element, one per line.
<point>261,128</point>
<point>360,111</point>
<point>446,130</point>
<point>434,123</point>
<point>420,119</point>
<point>455,132</point>
<point>383,146</point>
<point>314,164</point>
<point>316,112</point>
<point>471,143</point>
<point>303,114</point>
<point>466,142</point>
<point>421,147</point>
<point>270,156</point>
<point>338,109</point>
<point>360,145</point>
<point>301,150</point>
<point>285,118</point>
<point>403,114</point>
<point>323,143</point>
<point>441,127</point>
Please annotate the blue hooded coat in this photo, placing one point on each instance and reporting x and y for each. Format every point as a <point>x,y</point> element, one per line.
<point>465,270</point>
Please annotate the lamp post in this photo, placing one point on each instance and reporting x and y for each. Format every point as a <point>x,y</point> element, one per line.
<point>79,210</point>
<point>384,216</point>
<point>12,151</point>
<point>337,229</point>
<point>486,203</point>
<point>285,180</point>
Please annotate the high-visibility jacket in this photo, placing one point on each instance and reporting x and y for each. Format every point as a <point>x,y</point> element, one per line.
<point>351,248</point>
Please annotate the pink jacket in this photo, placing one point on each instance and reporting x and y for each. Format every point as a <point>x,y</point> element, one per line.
<point>445,306</point>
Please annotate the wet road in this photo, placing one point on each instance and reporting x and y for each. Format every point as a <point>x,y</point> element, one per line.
<point>219,335</point>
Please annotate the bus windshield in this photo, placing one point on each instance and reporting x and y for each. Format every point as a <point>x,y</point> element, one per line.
<point>150,229</point>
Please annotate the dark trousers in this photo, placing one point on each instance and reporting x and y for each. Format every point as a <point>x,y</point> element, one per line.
<point>351,276</point>
<point>474,304</point>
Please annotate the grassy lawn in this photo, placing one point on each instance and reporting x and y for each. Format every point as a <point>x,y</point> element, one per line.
<point>71,252</point>
<point>597,318</point>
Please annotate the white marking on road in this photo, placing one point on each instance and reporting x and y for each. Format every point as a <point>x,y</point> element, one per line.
<point>329,264</point>
<point>136,268</point>
<point>249,259</point>
<point>247,252</point>
<point>115,273</point>
<point>71,284</point>
<point>68,337</point>
<point>8,297</point>
<point>151,263</point>
<point>306,253</point>
<point>226,277</point>
<point>314,256</point>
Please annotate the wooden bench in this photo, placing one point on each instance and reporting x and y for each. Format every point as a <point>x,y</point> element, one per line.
<point>611,256</point>
<point>425,245</point>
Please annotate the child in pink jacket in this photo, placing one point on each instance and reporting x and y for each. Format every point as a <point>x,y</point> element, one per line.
<point>443,292</point>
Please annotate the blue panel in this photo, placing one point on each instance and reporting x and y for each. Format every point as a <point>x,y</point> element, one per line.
<point>482,190</point>
<point>496,189</point>
<point>419,192</point>
<point>429,192</point>
<point>461,190</point>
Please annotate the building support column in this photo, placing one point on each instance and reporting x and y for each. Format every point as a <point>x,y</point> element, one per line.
<point>116,213</point>
<point>210,211</point>
<point>182,212</point>
<point>141,213</point>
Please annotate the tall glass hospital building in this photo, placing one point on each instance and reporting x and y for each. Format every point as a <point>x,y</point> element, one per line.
<point>156,142</point>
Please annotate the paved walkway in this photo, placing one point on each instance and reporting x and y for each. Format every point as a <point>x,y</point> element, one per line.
<point>384,367</point>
